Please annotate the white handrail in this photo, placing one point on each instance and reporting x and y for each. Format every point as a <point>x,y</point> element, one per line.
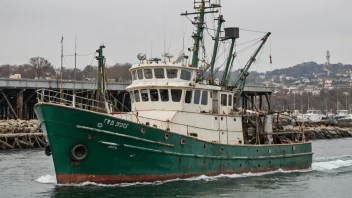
<point>51,96</point>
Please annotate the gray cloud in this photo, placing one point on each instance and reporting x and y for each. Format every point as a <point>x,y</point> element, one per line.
<point>302,30</point>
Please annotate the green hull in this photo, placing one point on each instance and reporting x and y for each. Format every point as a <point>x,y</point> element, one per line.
<point>122,151</point>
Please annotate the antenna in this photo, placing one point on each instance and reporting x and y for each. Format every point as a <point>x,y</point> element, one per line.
<point>62,54</point>
<point>164,32</point>
<point>151,50</point>
<point>74,82</point>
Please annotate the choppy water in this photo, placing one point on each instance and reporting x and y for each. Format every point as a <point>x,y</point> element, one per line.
<point>29,173</point>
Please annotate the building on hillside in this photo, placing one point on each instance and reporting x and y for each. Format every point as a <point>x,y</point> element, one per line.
<point>15,76</point>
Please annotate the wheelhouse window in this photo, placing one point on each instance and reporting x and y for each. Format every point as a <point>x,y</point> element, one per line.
<point>140,74</point>
<point>185,75</point>
<point>159,73</point>
<point>136,96</point>
<point>131,96</point>
<point>196,96</point>
<point>171,73</point>
<point>176,95</point>
<point>188,96</point>
<point>230,100</point>
<point>164,95</point>
<point>134,75</point>
<point>148,74</point>
<point>223,99</point>
<point>144,94</point>
<point>154,96</point>
<point>204,100</point>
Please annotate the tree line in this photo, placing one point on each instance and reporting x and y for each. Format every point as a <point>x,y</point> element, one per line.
<point>41,68</point>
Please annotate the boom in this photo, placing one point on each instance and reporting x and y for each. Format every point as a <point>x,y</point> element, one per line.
<point>241,78</point>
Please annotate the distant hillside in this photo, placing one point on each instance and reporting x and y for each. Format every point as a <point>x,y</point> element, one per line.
<point>312,69</point>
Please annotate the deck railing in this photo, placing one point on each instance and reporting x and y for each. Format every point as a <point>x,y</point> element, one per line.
<point>61,98</point>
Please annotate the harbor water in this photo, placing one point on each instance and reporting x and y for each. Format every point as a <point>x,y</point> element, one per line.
<point>29,173</point>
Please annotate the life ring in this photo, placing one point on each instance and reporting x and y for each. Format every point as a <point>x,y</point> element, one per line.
<point>47,150</point>
<point>79,152</point>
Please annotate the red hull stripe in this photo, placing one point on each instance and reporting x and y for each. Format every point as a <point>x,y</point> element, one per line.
<point>114,179</point>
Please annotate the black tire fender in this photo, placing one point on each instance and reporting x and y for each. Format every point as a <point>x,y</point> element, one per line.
<point>79,152</point>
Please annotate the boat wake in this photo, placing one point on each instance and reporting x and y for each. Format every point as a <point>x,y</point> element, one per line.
<point>322,165</point>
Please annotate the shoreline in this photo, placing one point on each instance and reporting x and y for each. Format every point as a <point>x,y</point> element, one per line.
<point>23,134</point>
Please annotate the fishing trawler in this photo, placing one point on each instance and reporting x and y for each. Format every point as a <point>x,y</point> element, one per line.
<point>181,124</point>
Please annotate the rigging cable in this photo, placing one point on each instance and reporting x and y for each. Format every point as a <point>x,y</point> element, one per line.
<point>253,31</point>
<point>80,55</point>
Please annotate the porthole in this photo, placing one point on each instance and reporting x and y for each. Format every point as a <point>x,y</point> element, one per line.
<point>166,136</point>
<point>183,141</point>
<point>222,150</point>
<point>143,130</point>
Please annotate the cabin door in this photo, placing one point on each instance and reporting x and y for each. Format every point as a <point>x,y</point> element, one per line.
<point>215,108</point>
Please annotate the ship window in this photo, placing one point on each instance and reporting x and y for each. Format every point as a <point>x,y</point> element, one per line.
<point>171,73</point>
<point>185,75</point>
<point>144,94</point>
<point>154,95</point>
<point>134,75</point>
<point>176,95</point>
<point>131,97</point>
<point>196,96</point>
<point>136,96</point>
<point>224,99</point>
<point>159,73</point>
<point>230,100</point>
<point>164,95</point>
<point>148,74</point>
<point>140,74</point>
<point>188,96</point>
<point>204,98</point>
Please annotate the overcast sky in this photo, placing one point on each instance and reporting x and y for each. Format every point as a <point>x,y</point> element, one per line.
<point>302,30</point>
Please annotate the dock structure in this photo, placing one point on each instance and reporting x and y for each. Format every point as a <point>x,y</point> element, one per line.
<point>18,96</point>
<point>256,98</point>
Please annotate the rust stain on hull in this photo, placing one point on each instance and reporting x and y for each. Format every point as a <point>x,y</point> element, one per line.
<point>114,179</point>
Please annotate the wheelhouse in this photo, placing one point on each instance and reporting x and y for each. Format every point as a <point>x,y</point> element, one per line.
<point>173,87</point>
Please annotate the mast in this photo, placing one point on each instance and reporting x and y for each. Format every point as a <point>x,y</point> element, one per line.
<point>100,58</point>
<point>198,36</point>
<point>241,78</point>
<point>101,77</point>
<point>227,71</point>
<point>216,45</point>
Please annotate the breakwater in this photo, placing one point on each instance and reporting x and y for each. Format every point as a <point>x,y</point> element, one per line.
<point>322,132</point>
<point>21,134</point>
<point>28,134</point>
